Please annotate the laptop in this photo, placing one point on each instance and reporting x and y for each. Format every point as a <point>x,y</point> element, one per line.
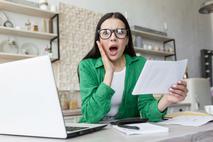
<point>29,102</point>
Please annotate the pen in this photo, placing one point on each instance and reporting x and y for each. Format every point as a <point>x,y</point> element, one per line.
<point>129,127</point>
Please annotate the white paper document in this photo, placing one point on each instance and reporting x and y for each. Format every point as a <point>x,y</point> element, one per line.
<point>158,76</point>
<point>144,128</point>
<point>189,120</point>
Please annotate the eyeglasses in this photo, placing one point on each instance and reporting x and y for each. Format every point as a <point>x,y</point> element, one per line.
<point>119,33</point>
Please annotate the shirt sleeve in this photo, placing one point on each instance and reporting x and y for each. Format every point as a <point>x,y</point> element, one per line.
<point>96,97</point>
<point>148,108</point>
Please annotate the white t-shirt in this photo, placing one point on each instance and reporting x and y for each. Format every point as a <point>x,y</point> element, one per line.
<point>118,86</point>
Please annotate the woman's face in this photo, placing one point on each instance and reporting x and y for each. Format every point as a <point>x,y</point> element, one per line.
<point>114,45</point>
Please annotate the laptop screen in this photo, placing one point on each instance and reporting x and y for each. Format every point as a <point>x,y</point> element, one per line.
<point>29,103</point>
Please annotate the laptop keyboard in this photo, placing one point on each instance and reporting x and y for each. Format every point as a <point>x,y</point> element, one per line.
<point>74,128</point>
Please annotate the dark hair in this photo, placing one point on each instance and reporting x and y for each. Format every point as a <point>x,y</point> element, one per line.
<point>94,52</point>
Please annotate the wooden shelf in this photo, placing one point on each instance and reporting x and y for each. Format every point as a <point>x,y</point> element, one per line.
<point>24,9</point>
<point>17,32</point>
<point>30,11</point>
<point>13,57</point>
<point>153,52</point>
<point>150,35</point>
<point>6,57</point>
<point>72,112</point>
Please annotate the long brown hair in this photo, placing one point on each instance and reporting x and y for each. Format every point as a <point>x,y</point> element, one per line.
<point>95,53</point>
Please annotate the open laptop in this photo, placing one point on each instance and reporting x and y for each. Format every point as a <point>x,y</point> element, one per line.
<point>29,102</point>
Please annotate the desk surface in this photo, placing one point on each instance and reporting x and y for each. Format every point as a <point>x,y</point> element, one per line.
<point>176,133</point>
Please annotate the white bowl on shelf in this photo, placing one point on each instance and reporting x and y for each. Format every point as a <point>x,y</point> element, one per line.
<point>29,48</point>
<point>9,46</point>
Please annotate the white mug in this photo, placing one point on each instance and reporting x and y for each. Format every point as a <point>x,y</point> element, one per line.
<point>209,109</point>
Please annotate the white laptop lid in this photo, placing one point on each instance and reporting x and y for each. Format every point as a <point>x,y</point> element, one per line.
<point>29,103</point>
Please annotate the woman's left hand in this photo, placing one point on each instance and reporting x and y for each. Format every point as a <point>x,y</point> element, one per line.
<point>177,93</point>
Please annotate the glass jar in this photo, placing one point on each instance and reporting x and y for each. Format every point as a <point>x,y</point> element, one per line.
<point>64,99</point>
<point>28,25</point>
<point>73,103</point>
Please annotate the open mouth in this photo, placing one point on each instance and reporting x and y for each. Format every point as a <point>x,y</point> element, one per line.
<point>113,50</point>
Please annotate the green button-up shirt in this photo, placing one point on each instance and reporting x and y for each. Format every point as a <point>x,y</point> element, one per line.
<point>96,96</point>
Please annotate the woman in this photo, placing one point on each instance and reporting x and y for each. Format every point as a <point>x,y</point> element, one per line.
<point>108,74</point>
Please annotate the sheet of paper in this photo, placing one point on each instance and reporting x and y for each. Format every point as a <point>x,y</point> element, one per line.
<point>158,76</point>
<point>145,128</point>
<point>189,120</point>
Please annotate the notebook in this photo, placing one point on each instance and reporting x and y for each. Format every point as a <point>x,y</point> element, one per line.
<point>143,128</point>
<point>29,102</point>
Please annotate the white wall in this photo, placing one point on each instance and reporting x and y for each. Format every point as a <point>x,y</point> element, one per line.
<point>191,30</point>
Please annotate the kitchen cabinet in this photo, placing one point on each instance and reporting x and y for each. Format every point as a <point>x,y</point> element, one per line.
<point>35,12</point>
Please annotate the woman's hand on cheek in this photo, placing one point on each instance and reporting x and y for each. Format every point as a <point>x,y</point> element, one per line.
<point>107,63</point>
<point>108,66</point>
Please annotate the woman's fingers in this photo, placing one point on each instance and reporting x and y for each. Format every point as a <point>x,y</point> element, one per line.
<point>179,88</point>
<point>103,54</point>
<point>176,91</point>
<point>107,63</point>
<point>182,82</point>
<point>181,85</point>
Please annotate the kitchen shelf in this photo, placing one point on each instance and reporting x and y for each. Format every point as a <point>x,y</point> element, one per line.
<point>32,34</point>
<point>150,35</point>
<point>36,12</point>
<point>26,10</point>
<point>153,52</point>
<point>72,112</point>
<point>154,37</point>
<point>12,57</point>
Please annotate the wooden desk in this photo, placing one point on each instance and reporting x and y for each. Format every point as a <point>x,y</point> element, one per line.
<point>176,134</point>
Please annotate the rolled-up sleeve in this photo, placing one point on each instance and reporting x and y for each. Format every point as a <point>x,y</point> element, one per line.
<point>148,108</point>
<point>95,96</point>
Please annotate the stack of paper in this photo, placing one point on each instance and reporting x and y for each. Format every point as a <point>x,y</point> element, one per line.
<point>144,128</point>
<point>189,120</point>
<point>185,113</point>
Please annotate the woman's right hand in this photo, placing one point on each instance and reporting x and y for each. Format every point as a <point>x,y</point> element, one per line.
<point>108,66</point>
